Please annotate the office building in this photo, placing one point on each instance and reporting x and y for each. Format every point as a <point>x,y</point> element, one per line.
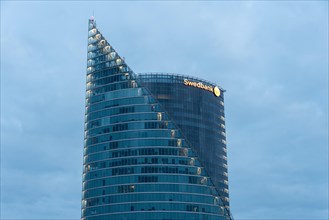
<point>155,145</point>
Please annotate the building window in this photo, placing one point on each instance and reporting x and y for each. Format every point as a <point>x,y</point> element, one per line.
<point>147,179</point>
<point>126,188</point>
<point>203,180</point>
<point>192,208</point>
<point>216,200</point>
<point>133,84</point>
<point>198,170</point>
<point>159,116</point>
<point>179,142</point>
<point>172,133</point>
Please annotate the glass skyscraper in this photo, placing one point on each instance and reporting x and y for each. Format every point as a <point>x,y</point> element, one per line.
<point>155,145</point>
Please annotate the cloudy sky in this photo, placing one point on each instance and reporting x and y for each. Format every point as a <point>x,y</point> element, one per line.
<point>271,57</point>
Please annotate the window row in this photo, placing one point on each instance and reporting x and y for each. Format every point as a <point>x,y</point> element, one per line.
<point>106,80</point>
<point>106,56</point>
<point>131,126</point>
<point>140,197</point>
<point>129,134</point>
<point>154,206</point>
<point>132,143</point>
<point>123,69</point>
<point>142,215</point>
<point>101,66</point>
<point>123,110</point>
<point>151,187</point>
<point>119,102</point>
<point>105,50</point>
<point>97,46</point>
<point>124,118</point>
<point>108,88</point>
<point>137,152</point>
<point>115,94</point>
<point>135,178</point>
<point>142,169</point>
<point>139,160</point>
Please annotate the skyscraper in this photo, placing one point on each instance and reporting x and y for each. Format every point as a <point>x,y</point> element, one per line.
<point>155,145</point>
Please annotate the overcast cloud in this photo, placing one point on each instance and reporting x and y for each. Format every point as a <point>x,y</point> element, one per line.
<point>271,57</point>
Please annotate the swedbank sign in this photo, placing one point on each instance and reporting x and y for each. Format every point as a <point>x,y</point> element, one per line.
<point>200,85</point>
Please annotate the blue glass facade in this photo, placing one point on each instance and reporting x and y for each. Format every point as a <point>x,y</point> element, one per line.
<point>199,115</point>
<point>138,163</point>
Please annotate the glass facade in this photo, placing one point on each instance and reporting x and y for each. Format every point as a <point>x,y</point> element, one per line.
<point>199,115</point>
<point>138,161</point>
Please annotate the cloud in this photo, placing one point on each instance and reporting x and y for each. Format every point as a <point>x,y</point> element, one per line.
<point>271,57</point>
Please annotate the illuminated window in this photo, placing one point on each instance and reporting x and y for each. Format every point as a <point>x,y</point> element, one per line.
<point>101,43</point>
<point>133,84</point>
<point>172,133</point>
<point>159,116</point>
<point>84,203</point>
<point>112,55</point>
<point>126,188</point>
<point>216,200</point>
<point>92,32</point>
<point>107,49</point>
<point>118,61</point>
<point>204,180</point>
<point>179,142</point>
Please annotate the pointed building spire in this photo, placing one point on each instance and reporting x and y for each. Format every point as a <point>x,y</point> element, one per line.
<point>92,23</point>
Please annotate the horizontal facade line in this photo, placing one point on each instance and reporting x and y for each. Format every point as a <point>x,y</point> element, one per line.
<point>147,174</point>
<point>154,183</point>
<point>120,106</point>
<point>151,202</point>
<point>127,139</point>
<point>138,156</point>
<point>144,165</point>
<point>118,115</point>
<point>155,211</point>
<point>153,192</point>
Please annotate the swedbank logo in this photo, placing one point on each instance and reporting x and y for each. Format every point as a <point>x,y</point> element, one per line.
<point>200,85</point>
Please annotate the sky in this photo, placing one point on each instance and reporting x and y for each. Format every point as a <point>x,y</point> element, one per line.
<point>271,57</point>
